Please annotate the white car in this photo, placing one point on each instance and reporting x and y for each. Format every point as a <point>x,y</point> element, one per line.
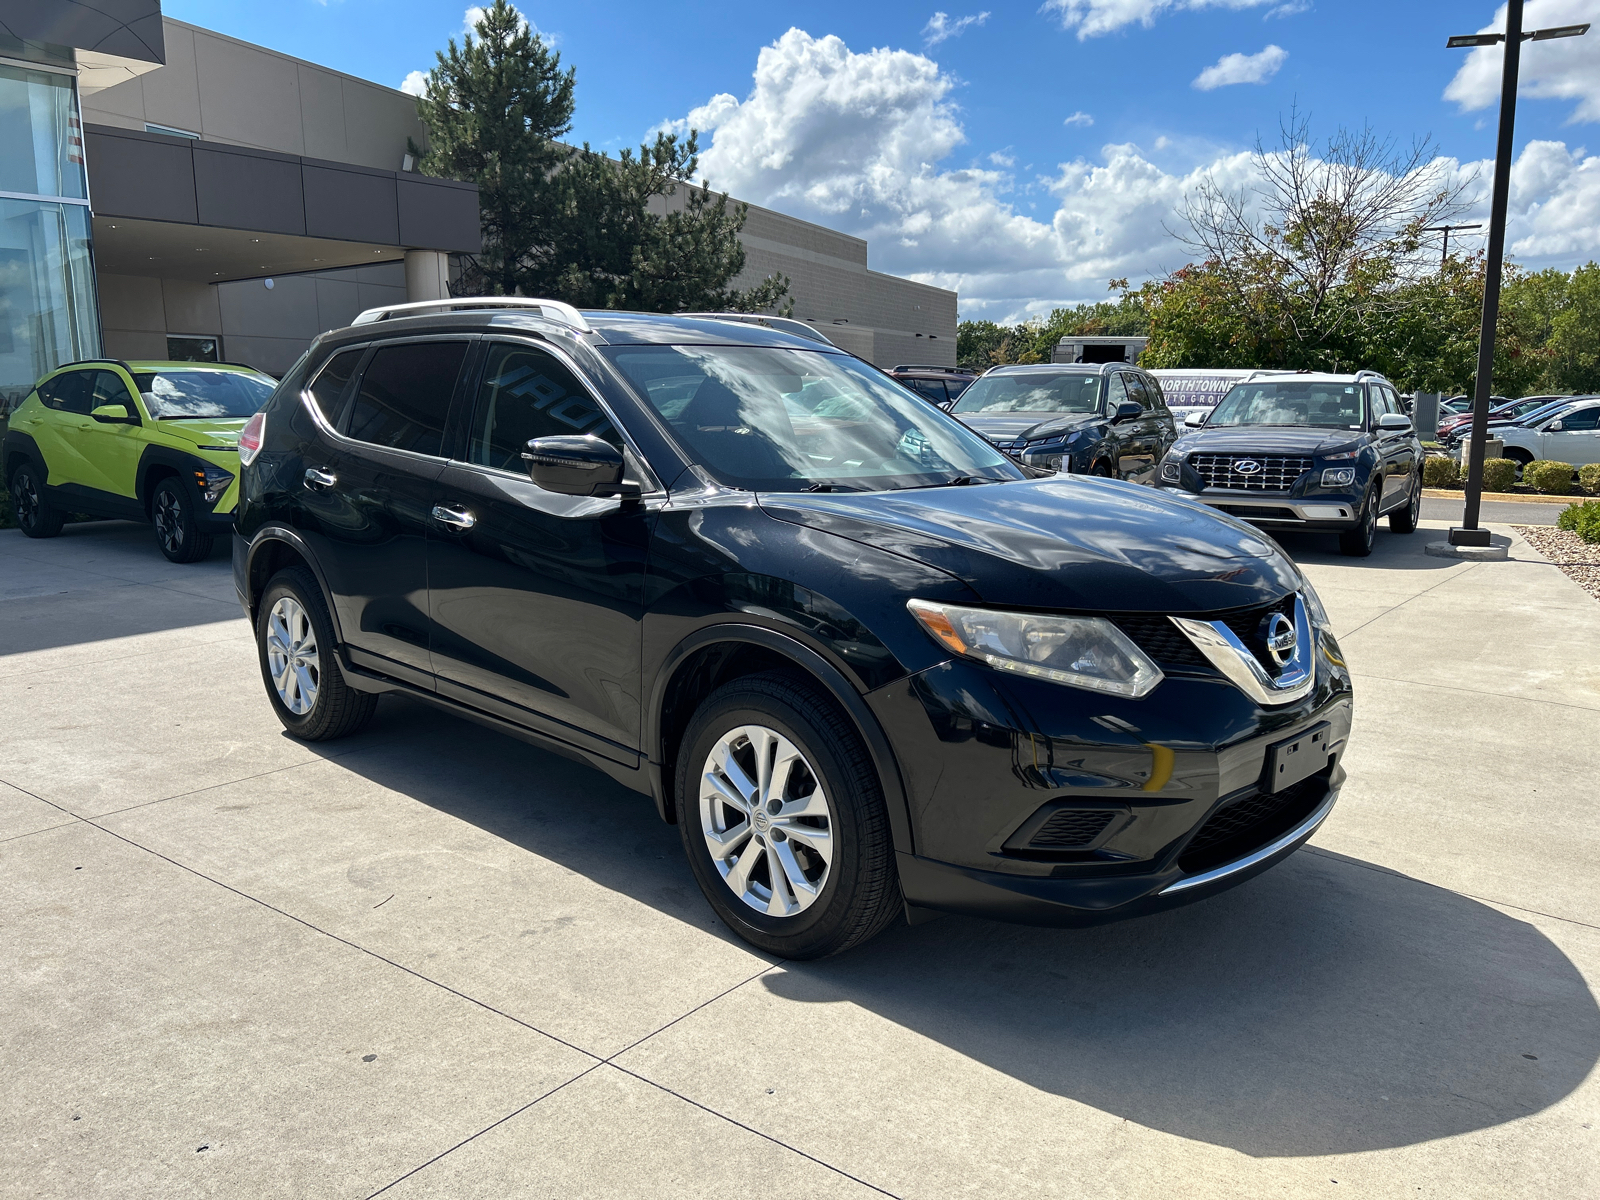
<point>1569,435</point>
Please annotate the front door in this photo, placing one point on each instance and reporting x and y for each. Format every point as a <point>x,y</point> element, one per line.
<point>112,450</point>
<point>1397,457</point>
<point>1140,442</point>
<point>1577,441</point>
<point>535,597</point>
<point>366,498</point>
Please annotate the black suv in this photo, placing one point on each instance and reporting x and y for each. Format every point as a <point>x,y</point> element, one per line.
<point>867,663</point>
<point>938,385</point>
<point>1109,419</point>
<point>1293,450</point>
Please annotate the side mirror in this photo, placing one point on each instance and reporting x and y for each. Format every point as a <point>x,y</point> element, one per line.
<point>1553,427</point>
<point>1194,420</point>
<point>575,466</point>
<point>1127,410</point>
<point>1394,423</point>
<point>115,414</point>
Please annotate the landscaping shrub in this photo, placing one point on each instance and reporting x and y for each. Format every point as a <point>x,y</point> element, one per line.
<point>1499,474</point>
<point>1581,519</point>
<point>1589,476</point>
<point>1440,472</point>
<point>1547,476</point>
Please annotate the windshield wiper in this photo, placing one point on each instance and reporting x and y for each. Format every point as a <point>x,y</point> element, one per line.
<point>830,487</point>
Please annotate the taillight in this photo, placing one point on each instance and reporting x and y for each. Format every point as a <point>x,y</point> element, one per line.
<point>251,437</point>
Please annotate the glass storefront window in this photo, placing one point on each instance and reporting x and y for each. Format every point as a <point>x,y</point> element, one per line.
<point>41,145</point>
<point>48,309</point>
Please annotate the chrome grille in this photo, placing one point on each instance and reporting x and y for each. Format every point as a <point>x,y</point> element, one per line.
<point>1277,474</point>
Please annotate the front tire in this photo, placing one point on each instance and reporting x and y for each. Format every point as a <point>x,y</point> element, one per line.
<point>1404,520</point>
<point>1357,542</point>
<point>34,514</point>
<point>783,819</point>
<point>300,662</point>
<point>177,532</point>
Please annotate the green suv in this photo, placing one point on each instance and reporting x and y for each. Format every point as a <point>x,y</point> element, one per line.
<point>138,441</point>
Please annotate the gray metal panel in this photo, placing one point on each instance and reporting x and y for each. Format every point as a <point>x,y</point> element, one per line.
<point>353,205</point>
<point>141,175</point>
<point>125,28</point>
<point>436,214</point>
<point>248,190</point>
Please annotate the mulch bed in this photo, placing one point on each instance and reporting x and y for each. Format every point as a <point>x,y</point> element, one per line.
<point>1579,560</point>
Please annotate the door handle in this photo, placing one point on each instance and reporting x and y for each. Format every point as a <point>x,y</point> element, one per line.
<point>316,478</point>
<point>456,518</point>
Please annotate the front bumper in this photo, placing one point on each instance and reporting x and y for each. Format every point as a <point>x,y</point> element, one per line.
<point>988,763</point>
<point>1328,511</point>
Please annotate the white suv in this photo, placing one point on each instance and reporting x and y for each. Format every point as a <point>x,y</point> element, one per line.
<point>1569,435</point>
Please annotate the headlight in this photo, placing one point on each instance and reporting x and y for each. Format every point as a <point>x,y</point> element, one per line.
<point>1085,652</point>
<point>212,482</point>
<point>1315,613</point>
<point>1171,472</point>
<point>1338,476</point>
<point>1342,454</point>
<point>1050,462</point>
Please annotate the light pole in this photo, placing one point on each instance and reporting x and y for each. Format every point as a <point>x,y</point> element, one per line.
<point>1468,533</point>
<point>1444,255</point>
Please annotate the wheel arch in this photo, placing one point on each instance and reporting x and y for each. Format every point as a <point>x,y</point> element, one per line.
<point>712,656</point>
<point>270,551</point>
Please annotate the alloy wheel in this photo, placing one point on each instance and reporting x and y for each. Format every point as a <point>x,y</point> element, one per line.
<point>766,820</point>
<point>25,500</point>
<point>169,521</point>
<point>292,657</point>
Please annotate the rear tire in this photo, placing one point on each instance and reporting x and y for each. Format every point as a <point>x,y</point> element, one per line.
<point>795,856</point>
<point>1357,542</point>
<point>173,517</point>
<point>300,661</point>
<point>34,514</point>
<point>1404,520</point>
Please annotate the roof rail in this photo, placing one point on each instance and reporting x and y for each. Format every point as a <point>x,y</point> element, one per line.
<point>555,310</point>
<point>78,362</point>
<point>787,325</point>
<point>1366,374</point>
<point>933,367</point>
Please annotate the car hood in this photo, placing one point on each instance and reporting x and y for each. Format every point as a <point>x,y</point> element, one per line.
<point>1066,542</point>
<point>1266,439</point>
<point>206,431</point>
<point>1005,428</point>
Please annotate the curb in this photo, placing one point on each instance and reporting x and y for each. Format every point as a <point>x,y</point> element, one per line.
<point>1503,497</point>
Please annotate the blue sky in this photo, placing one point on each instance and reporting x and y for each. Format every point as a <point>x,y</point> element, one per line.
<point>1026,155</point>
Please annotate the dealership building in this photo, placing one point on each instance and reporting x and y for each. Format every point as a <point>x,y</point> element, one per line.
<point>169,192</point>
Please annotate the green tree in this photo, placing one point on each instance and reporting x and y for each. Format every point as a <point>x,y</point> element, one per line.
<point>571,223</point>
<point>494,108</point>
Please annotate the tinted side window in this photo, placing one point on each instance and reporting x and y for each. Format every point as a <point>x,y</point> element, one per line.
<point>528,394</point>
<point>933,389</point>
<point>1379,403</point>
<point>72,392</point>
<point>405,396</point>
<point>1152,385</point>
<point>109,389</point>
<point>330,382</point>
<point>1137,392</point>
<point>1116,393</point>
<point>1584,418</point>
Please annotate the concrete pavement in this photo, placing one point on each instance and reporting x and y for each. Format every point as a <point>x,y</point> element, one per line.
<point>432,961</point>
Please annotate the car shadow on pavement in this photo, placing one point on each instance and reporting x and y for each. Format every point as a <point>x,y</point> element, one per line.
<point>1326,1007</point>
<point>1390,551</point>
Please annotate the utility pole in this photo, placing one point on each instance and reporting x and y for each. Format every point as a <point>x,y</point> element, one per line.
<point>1468,533</point>
<point>1444,255</point>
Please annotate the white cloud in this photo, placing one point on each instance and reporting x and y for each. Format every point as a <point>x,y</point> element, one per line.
<point>1079,118</point>
<point>1241,68</point>
<point>1292,9</point>
<point>856,142</point>
<point>1093,17</point>
<point>941,28</point>
<point>1564,69</point>
<point>415,83</point>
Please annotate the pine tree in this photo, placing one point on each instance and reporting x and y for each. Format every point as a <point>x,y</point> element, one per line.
<point>573,224</point>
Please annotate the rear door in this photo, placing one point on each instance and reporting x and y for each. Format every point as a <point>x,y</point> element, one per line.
<point>367,494</point>
<point>1577,441</point>
<point>536,598</point>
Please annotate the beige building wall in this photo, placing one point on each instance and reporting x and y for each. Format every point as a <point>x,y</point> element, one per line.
<point>239,94</point>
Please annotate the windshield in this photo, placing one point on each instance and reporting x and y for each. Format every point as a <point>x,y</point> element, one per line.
<point>1299,402</point>
<point>187,395</point>
<point>769,419</point>
<point>1036,391</point>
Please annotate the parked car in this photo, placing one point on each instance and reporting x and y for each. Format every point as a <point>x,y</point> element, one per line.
<point>1459,404</point>
<point>1304,451</point>
<point>940,385</point>
<point>866,662</point>
<point>1453,439</point>
<point>137,441</point>
<point>1569,434</point>
<point>1086,419</point>
<point>1510,410</point>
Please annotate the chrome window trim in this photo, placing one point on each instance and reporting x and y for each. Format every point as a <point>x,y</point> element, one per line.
<point>1305,829</point>
<point>1233,658</point>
